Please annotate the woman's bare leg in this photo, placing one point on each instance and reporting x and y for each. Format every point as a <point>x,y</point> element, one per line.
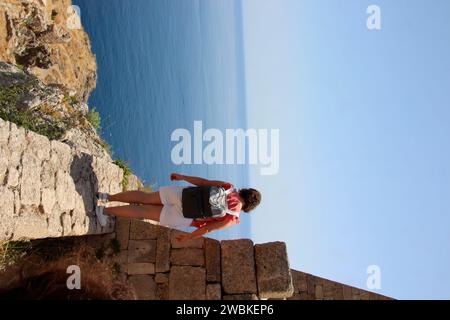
<point>152,212</point>
<point>137,197</point>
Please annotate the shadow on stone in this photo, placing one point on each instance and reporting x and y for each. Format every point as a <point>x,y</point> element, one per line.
<point>86,181</point>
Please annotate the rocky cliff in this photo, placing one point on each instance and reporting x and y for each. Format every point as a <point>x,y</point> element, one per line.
<point>45,38</point>
<point>52,161</point>
<point>49,110</point>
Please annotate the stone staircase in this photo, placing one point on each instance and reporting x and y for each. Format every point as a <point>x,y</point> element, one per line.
<point>47,188</point>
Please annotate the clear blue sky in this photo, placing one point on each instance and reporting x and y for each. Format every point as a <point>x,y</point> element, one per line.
<point>364,117</point>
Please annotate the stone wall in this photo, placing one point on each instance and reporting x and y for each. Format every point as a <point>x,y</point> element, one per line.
<point>309,287</point>
<point>47,188</point>
<point>159,267</point>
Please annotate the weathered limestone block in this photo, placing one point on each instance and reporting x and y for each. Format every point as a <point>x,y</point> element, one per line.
<point>272,270</point>
<point>144,286</point>
<point>338,293</point>
<point>108,175</point>
<point>48,175</point>
<point>54,226</point>
<point>373,296</point>
<point>319,292</point>
<point>60,156</point>
<point>48,199</point>
<point>163,250</point>
<point>213,291</point>
<point>30,184</point>
<point>141,268</point>
<point>363,295</point>
<point>133,182</point>
<point>329,287</point>
<point>16,144</point>
<point>4,151</point>
<point>30,224</point>
<point>66,222</point>
<point>311,285</point>
<point>4,155</point>
<point>77,226</point>
<point>13,177</point>
<point>140,230</point>
<point>123,232</point>
<point>347,291</point>
<point>4,132</point>
<point>162,291</point>
<point>194,243</point>
<point>187,283</point>
<point>79,217</point>
<point>6,213</point>
<point>65,191</point>
<point>238,266</point>
<point>162,278</point>
<point>212,257</point>
<point>84,197</point>
<point>299,281</point>
<point>39,145</point>
<point>332,290</point>
<point>355,293</point>
<point>141,251</point>
<point>247,296</point>
<point>187,257</point>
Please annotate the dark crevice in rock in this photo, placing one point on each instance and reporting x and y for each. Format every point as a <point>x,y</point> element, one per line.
<point>9,32</point>
<point>38,56</point>
<point>5,179</point>
<point>61,221</point>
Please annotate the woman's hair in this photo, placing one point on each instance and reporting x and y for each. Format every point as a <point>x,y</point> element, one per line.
<point>251,198</point>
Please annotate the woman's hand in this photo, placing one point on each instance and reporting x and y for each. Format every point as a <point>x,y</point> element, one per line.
<point>183,237</point>
<point>176,177</point>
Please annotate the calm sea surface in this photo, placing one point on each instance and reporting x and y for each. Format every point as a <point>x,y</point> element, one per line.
<point>162,64</point>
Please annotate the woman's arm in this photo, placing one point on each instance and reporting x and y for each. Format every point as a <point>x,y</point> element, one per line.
<point>197,181</point>
<point>208,228</point>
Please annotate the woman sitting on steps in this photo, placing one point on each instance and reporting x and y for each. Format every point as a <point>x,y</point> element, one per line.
<point>210,206</point>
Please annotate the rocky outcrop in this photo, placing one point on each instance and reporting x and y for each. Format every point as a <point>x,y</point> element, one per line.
<point>47,109</point>
<point>52,159</point>
<point>40,36</point>
<point>47,188</point>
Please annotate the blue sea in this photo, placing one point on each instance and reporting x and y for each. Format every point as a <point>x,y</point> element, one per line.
<point>162,64</point>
